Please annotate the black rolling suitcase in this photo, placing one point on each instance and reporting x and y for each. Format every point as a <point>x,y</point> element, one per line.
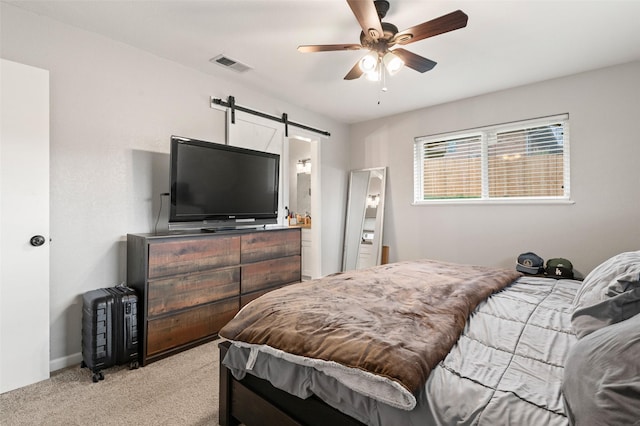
<point>109,329</point>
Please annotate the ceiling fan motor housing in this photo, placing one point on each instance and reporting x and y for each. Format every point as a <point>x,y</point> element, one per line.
<point>383,43</point>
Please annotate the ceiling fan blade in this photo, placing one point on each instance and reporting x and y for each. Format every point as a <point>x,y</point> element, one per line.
<point>367,16</point>
<point>327,47</point>
<point>452,21</point>
<point>416,62</point>
<point>354,72</point>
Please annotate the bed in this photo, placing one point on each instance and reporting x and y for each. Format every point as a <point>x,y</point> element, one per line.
<point>437,343</point>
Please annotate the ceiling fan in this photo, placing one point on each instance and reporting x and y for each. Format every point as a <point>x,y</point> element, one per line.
<point>380,37</point>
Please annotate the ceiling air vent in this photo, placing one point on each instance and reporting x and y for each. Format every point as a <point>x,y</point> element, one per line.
<point>227,62</point>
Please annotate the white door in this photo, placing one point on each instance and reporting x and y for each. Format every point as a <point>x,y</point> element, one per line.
<point>262,134</point>
<point>24,214</point>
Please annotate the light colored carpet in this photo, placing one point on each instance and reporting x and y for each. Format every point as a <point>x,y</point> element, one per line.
<point>179,390</point>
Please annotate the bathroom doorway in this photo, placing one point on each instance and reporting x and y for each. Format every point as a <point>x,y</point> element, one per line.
<point>304,198</point>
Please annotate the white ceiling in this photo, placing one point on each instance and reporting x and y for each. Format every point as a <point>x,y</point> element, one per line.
<point>505,44</point>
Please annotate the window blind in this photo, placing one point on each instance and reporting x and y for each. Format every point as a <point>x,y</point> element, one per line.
<point>523,160</point>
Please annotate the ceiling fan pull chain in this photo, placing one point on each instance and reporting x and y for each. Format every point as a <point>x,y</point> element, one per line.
<point>382,88</point>
<point>383,79</point>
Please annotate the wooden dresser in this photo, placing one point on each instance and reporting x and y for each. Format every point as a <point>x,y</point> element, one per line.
<point>191,284</point>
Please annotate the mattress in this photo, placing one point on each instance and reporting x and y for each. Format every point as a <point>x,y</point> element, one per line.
<point>506,368</point>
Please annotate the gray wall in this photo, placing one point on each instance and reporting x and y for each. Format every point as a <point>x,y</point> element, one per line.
<point>113,109</point>
<point>604,108</point>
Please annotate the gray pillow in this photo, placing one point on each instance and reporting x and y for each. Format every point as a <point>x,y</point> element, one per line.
<point>609,294</point>
<point>623,266</point>
<point>624,283</point>
<point>618,308</point>
<point>602,376</point>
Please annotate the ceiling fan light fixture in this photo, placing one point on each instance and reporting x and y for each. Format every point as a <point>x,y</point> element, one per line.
<point>369,63</point>
<point>392,63</point>
<point>373,75</point>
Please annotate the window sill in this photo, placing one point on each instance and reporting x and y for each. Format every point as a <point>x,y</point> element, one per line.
<point>513,201</point>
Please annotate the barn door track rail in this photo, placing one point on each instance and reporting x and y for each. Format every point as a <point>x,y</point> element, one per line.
<point>231,104</point>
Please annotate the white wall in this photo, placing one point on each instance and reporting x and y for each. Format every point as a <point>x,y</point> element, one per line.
<point>604,108</point>
<point>113,109</point>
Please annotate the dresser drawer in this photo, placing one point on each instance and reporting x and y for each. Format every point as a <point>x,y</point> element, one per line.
<point>168,258</point>
<point>191,284</point>
<point>262,275</point>
<point>259,246</point>
<point>189,326</point>
<point>183,291</point>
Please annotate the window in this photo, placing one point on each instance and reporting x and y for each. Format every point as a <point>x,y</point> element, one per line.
<point>523,161</point>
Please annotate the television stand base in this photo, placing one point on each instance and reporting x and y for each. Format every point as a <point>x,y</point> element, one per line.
<point>233,228</point>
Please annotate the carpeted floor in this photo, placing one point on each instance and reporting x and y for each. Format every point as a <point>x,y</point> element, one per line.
<point>179,390</point>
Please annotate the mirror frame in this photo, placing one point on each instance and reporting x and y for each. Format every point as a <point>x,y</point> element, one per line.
<point>354,240</point>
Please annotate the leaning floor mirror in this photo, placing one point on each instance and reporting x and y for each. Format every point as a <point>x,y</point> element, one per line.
<point>365,211</point>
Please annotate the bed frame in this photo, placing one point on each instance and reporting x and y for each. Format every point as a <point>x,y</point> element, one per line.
<point>253,401</point>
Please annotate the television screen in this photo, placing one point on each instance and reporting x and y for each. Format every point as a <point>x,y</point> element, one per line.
<point>221,184</point>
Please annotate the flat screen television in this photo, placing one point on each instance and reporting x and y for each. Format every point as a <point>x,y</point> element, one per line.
<point>217,186</point>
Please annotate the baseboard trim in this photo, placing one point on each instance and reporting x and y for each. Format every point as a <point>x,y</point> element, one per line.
<point>65,361</point>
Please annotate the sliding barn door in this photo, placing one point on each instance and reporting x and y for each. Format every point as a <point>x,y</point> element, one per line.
<point>24,226</point>
<point>253,132</point>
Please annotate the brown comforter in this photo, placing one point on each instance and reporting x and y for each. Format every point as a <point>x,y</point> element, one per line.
<point>398,320</point>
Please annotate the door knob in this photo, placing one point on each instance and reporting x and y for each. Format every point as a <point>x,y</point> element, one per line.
<point>37,240</point>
